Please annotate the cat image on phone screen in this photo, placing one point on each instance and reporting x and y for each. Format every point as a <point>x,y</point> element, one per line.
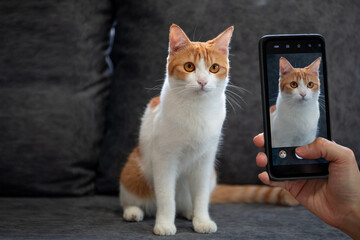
<point>294,119</point>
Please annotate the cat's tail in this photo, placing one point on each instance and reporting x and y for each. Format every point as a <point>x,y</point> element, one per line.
<point>252,194</point>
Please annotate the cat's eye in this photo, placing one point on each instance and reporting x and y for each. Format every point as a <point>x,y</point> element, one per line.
<point>189,67</point>
<point>310,85</point>
<point>214,68</point>
<point>293,84</point>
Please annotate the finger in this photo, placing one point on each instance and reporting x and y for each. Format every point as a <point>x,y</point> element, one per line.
<point>264,177</point>
<point>323,148</point>
<point>261,159</point>
<point>259,140</point>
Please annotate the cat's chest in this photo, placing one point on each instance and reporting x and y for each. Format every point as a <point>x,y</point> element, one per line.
<point>301,119</point>
<point>198,124</point>
<point>194,127</point>
<point>297,115</point>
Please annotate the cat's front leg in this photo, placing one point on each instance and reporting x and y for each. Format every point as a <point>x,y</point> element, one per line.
<point>164,174</point>
<point>200,184</point>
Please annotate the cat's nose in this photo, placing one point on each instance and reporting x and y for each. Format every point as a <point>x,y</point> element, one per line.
<point>202,82</point>
<point>303,94</point>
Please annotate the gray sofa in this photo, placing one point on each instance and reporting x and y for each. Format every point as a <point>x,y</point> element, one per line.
<point>99,217</point>
<point>76,76</point>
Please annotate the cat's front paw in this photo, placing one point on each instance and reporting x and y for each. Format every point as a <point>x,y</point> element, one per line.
<point>133,214</point>
<point>204,225</point>
<point>165,229</point>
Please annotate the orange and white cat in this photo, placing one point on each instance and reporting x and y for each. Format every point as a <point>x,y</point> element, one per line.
<point>172,169</point>
<point>294,119</point>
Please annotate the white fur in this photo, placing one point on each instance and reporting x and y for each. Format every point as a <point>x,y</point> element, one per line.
<point>295,120</point>
<point>178,144</point>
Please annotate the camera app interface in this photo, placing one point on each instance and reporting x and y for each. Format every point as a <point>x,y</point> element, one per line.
<point>296,98</point>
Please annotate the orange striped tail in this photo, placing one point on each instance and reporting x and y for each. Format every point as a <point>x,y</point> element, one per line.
<point>252,194</point>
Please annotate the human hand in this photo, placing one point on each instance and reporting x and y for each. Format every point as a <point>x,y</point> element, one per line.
<point>335,200</point>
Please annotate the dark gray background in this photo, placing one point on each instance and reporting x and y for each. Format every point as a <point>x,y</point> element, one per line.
<point>54,82</point>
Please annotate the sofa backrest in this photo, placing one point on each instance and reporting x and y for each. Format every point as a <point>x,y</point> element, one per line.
<point>53,85</point>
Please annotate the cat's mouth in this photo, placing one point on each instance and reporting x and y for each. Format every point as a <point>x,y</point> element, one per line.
<point>303,99</point>
<point>202,90</point>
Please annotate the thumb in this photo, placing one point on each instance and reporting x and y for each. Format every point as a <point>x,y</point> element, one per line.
<point>264,177</point>
<point>323,148</point>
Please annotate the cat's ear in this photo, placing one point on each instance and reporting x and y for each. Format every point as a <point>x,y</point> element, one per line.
<point>178,39</point>
<point>285,66</point>
<point>222,41</point>
<point>314,67</point>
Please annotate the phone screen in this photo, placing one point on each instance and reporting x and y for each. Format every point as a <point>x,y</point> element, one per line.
<point>296,102</point>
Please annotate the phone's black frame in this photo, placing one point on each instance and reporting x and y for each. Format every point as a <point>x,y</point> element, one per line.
<point>301,171</point>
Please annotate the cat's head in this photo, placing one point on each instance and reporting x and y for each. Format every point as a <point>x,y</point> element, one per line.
<point>198,68</point>
<point>299,85</point>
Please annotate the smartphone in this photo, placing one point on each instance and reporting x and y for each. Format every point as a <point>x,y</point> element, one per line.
<point>295,103</point>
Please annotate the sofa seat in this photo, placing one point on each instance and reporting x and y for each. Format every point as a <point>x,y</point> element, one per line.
<point>100,217</point>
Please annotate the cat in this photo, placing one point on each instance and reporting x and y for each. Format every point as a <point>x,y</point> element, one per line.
<point>172,169</point>
<point>294,119</point>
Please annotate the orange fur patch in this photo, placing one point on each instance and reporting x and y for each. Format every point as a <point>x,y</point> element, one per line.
<point>154,102</point>
<point>267,195</point>
<point>278,197</point>
<point>193,52</point>
<point>132,178</point>
<point>272,108</point>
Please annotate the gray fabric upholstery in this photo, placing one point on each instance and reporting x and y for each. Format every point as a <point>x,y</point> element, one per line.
<point>140,53</point>
<point>54,79</point>
<point>100,218</point>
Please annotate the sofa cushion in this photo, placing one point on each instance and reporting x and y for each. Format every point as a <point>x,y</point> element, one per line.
<point>140,53</point>
<point>100,217</point>
<point>54,81</point>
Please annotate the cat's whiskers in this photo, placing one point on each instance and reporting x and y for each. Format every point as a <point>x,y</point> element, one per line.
<point>232,100</point>
<point>156,87</point>
<point>322,103</point>
<point>181,92</point>
<point>240,89</point>
<point>228,100</point>
<point>273,97</point>
<point>235,95</point>
<point>160,79</point>
<point>194,32</point>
